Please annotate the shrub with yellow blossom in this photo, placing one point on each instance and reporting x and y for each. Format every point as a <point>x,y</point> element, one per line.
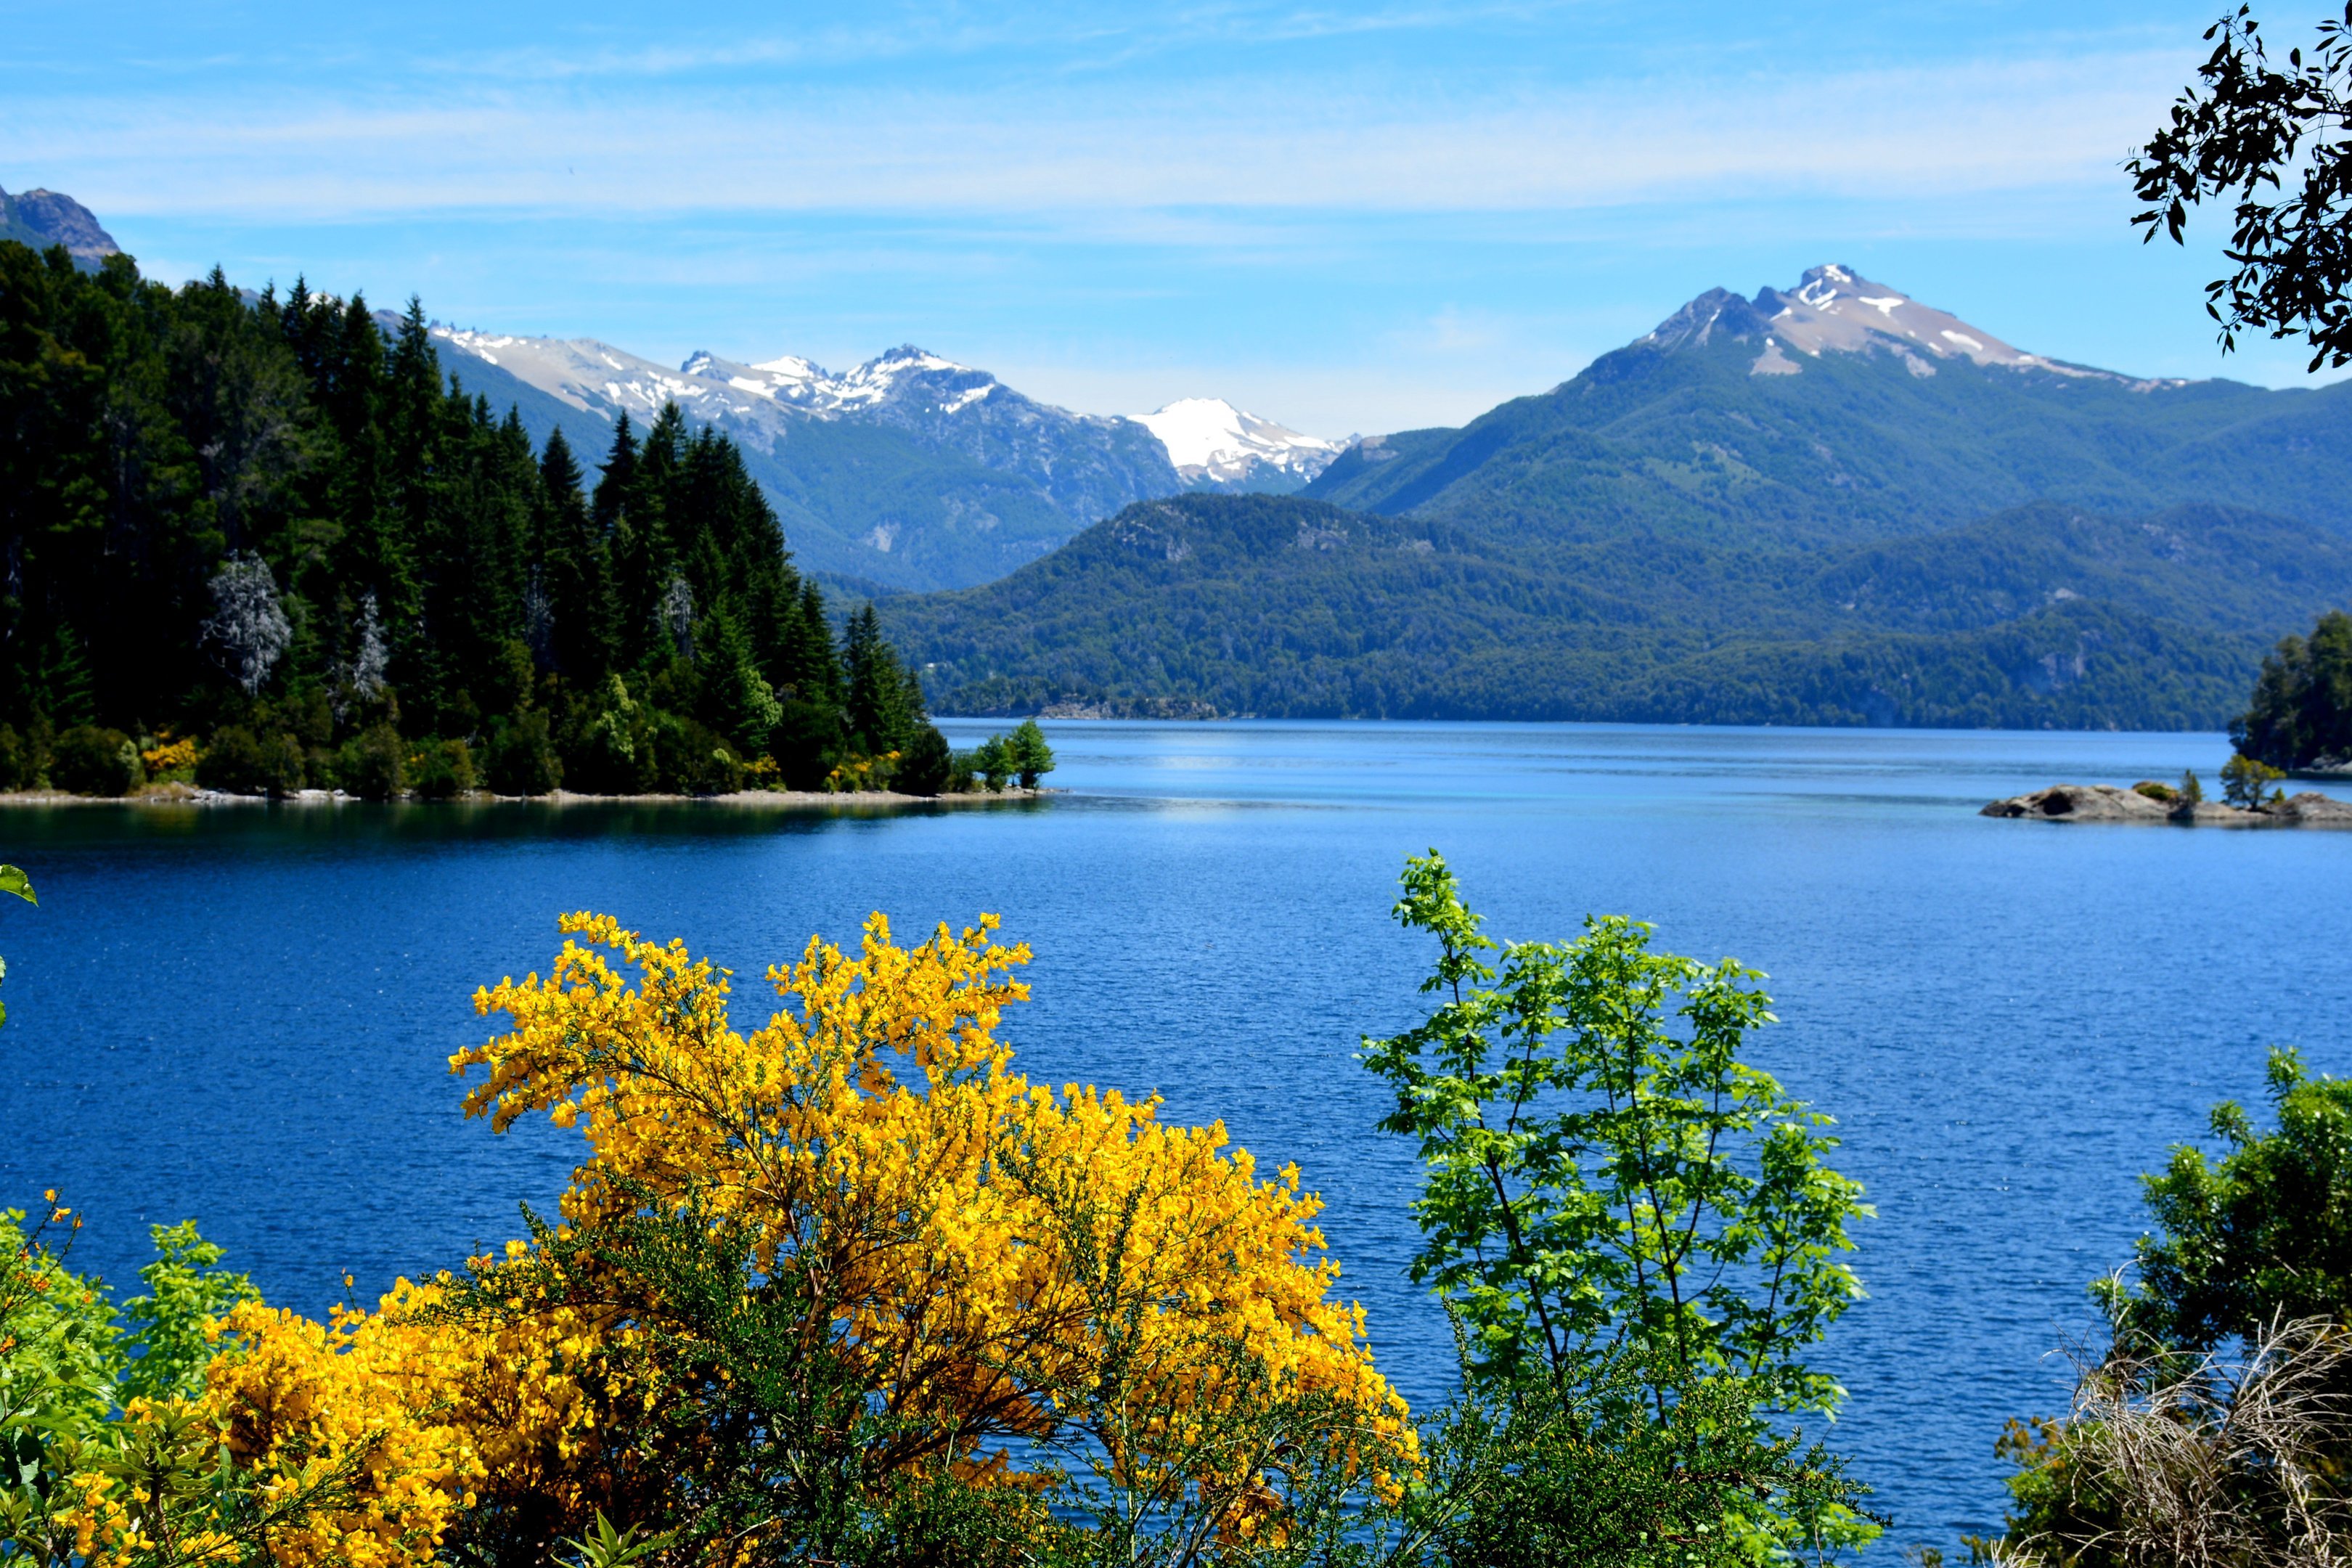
<point>169,758</point>
<point>844,1287</point>
<point>862,773</point>
<point>979,1258</point>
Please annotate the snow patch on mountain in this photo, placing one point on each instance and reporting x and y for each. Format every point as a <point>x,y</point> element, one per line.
<point>1209,440</point>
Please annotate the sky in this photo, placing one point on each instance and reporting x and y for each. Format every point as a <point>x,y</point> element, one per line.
<point>1348,218</point>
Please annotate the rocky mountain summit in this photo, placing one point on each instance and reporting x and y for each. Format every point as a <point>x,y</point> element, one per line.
<point>44,218</point>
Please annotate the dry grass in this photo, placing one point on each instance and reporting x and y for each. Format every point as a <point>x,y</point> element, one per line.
<point>2225,1463</point>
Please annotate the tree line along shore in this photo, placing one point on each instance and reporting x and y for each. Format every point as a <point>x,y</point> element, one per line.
<point>260,545</point>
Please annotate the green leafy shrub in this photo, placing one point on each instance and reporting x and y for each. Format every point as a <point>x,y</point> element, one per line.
<point>1639,1239</point>
<point>443,771</point>
<point>242,763</point>
<point>697,760</point>
<point>186,1286</point>
<point>2214,1428</point>
<point>322,768</point>
<point>374,764</point>
<point>522,757</point>
<point>613,751</point>
<point>1027,750</point>
<point>993,760</point>
<point>924,770</point>
<point>92,761</point>
<point>2155,791</point>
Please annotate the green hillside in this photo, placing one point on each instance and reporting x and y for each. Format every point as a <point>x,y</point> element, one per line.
<point>2039,616</point>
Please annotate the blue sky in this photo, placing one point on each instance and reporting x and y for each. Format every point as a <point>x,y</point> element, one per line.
<point>1346,218</point>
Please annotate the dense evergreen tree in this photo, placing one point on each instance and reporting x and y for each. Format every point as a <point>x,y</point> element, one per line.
<point>884,704</point>
<point>272,522</point>
<point>2301,713</point>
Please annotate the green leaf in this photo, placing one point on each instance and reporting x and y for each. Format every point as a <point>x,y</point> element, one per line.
<point>12,880</point>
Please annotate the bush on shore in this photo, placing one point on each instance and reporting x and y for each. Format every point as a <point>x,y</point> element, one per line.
<point>87,760</point>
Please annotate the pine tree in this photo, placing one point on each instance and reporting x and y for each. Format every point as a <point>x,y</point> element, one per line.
<point>735,699</point>
<point>876,710</point>
<point>575,570</point>
<point>645,563</point>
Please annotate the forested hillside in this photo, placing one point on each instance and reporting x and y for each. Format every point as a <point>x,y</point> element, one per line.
<point>269,534</point>
<point>2043,616</point>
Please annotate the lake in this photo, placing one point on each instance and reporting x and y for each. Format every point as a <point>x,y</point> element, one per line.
<point>242,1014</point>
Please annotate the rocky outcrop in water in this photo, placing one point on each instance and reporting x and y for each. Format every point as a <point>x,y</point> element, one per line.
<point>2105,802</point>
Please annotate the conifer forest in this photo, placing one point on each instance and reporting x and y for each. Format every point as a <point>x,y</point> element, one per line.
<point>263,542</point>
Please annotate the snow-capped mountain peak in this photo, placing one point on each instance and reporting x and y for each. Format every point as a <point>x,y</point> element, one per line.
<point>1835,309</point>
<point>1210,440</point>
<point>803,383</point>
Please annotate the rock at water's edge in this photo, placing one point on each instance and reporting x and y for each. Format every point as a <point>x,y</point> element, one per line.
<point>2081,803</point>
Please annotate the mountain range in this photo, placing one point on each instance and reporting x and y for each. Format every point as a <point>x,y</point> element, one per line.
<point>1832,503</point>
<point>910,471</point>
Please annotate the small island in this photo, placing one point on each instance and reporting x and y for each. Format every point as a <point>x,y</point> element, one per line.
<point>2164,805</point>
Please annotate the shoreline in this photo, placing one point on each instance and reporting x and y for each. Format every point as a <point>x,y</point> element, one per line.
<point>748,799</point>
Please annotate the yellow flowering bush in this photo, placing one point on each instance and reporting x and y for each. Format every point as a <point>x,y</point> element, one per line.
<point>347,1444</point>
<point>169,758</point>
<point>992,1260</point>
<point>862,773</point>
<point>848,1278</point>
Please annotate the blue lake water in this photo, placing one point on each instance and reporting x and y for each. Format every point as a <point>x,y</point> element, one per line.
<point>242,1014</point>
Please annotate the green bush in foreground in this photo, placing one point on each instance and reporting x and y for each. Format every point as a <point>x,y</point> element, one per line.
<point>1639,1241</point>
<point>2216,1427</point>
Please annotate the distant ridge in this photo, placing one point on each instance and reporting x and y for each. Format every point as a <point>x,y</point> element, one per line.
<point>1844,409</point>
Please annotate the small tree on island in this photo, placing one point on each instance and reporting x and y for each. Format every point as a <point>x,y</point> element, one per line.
<point>993,760</point>
<point>1031,757</point>
<point>2244,780</point>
